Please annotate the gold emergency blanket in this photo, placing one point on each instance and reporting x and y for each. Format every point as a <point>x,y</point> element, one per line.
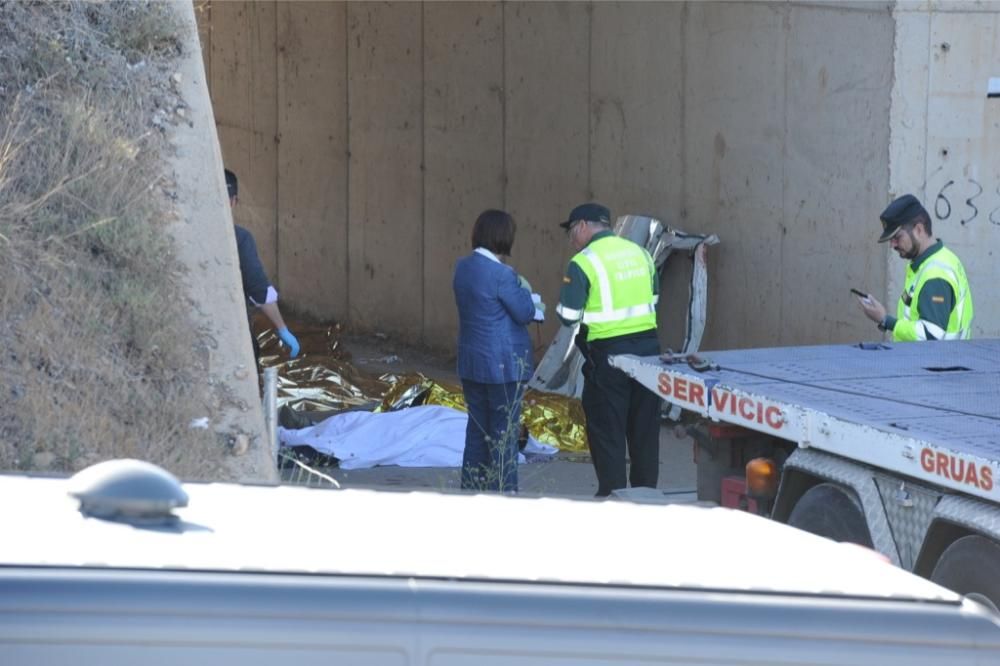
<point>550,418</point>
<point>323,379</point>
<point>555,419</point>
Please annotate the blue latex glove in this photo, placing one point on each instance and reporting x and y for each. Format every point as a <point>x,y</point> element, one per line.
<point>290,341</point>
<point>539,308</point>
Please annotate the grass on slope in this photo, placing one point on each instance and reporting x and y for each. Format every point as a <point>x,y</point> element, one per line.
<point>95,341</point>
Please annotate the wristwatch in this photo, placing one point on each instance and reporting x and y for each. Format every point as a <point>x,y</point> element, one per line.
<point>881,324</point>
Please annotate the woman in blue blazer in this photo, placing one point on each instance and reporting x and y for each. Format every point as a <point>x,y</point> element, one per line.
<point>495,307</point>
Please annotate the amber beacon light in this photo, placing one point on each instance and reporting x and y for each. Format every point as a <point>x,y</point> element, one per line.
<point>762,478</point>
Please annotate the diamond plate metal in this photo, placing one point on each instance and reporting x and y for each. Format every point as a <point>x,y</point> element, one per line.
<point>910,510</point>
<point>860,479</point>
<point>898,531</point>
<point>974,514</point>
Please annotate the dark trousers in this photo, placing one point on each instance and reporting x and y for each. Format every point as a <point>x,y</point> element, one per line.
<point>621,413</point>
<point>490,458</point>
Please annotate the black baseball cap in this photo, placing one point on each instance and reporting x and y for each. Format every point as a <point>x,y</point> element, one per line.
<point>902,211</point>
<point>591,212</point>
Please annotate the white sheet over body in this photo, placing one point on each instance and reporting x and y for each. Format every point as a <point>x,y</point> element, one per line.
<point>428,436</point>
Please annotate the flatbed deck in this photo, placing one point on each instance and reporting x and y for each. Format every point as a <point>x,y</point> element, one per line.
<point>929,410</point>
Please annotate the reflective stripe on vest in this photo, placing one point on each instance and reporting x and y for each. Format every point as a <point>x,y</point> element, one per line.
<point>600,314</point>
<point>957,317</point>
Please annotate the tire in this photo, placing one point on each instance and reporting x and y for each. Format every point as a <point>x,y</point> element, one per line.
<point>832,512</point>
<point>971,566</point>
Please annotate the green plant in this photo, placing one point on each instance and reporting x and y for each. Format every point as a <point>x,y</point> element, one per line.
<point>496,475</point>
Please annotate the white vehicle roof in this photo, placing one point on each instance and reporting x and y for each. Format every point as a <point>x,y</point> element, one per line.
<point>229,527</point>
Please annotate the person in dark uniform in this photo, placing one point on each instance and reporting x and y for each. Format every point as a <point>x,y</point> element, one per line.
<point>936,303</point>
<point>611,289</point>
<point>257,289</point>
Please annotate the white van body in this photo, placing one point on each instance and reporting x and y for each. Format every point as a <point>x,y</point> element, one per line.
<point>294,576</point>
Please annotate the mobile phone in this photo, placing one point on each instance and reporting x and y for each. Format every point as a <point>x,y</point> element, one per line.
<point>858,293</point>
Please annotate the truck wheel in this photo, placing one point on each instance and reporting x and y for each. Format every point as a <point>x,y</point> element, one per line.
<point>830,511</point>
<point>971,566</point>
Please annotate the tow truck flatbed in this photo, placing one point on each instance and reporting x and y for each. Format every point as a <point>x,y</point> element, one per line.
<point>927,410</point>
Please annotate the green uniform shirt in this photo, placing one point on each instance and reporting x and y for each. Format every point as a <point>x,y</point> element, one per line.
<point>936,303</point>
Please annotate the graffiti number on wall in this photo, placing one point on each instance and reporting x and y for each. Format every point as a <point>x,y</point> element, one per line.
<point>942,207</point>
<point>993,213</point>
<point>942,203</point>
<point>968,202</point>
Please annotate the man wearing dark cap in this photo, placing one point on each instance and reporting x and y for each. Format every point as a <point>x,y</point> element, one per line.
<point>611,289</point>
<point>257,289</point>
<point>936,303</point>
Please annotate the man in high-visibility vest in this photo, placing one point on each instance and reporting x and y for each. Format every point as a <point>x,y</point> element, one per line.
<point>936,303</point>
<point>611,289</point>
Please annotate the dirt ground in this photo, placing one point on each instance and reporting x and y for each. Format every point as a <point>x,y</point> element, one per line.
<point>377,354</point>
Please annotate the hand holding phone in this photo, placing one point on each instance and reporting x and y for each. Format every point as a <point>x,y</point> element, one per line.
<point>862,295</point>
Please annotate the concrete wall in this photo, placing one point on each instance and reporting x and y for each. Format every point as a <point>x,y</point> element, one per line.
<point>786,147</point>
<point>205,243</point>
<point>369,136</point>
<point>945,134</point>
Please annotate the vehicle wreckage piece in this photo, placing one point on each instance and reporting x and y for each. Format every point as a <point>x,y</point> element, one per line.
<point>561,368</point>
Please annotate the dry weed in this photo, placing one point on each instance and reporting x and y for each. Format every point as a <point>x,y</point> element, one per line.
<point>96,358</point>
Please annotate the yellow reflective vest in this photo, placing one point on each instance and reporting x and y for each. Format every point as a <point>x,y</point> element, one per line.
<point>943,265</point>
<point>622,297</point>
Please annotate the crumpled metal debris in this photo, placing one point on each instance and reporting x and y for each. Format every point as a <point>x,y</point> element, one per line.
<point>322,378</point>
<point>390,358</point>
<point>560,370</point>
